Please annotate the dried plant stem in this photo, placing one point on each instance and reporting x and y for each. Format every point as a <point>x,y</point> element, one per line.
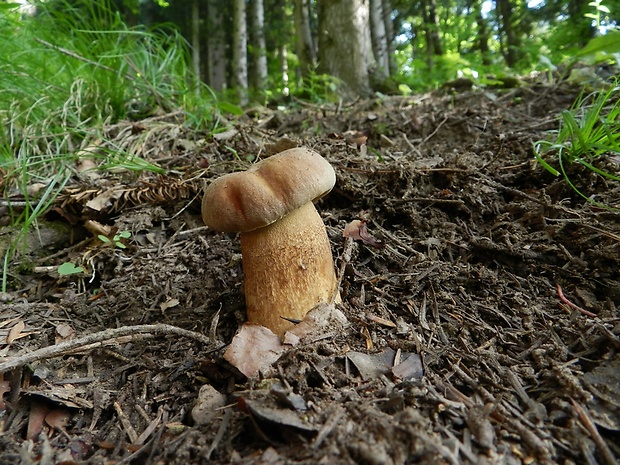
<point>587,423</point>
<point>101,338</point>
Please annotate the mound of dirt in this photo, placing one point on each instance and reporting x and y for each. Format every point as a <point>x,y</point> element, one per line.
<point>483,316</point>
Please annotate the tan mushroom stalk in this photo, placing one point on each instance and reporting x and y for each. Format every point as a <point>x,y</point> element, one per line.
<point>287,260</point>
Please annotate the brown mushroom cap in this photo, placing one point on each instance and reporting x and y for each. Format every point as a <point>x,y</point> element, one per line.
<point>267,191</point>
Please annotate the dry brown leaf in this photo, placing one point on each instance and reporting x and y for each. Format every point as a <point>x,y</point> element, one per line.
<point>97,228</point>
<point>254,348</point>
<point>58,419</point>
<point>87,167</point>
<point>320,320</point>
<point>15,331</point>
<point>273,416</point>
<point>102,200</point>
<point>169,303</point>
<point>411,368</point>
<point>36,419</point>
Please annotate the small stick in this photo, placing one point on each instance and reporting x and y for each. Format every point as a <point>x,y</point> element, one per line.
<point>99,338</point>
<point>572,305</point>
<point>596,437</point>
<point>345,259</point>
<point>129,429</point>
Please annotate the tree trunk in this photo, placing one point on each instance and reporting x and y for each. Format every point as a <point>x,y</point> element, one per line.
<point>259,53</point>
<point>283,55</point>
<point>379,39</point>
<point>240,51</point>
<point>482,32</point>
<point>303,35</point>
<point>196,43</point>
<point>432,28</point>
<point>389,33</point>
<point>344,44</point>
<point>582,25</point>
<point>217,60</point>
<point>509,38</point>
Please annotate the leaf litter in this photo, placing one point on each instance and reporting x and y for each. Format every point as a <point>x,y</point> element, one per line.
<point>457,346</point>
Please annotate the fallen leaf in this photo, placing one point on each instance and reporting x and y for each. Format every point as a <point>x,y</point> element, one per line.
<point>319,320</point>
<point>288,398</point>
<point>358,231</point>
<point>169,303</point>
<point>253,348</point>
<point>410,369</point>
<point>58,419</point>
<point>371,366</point>
<point>282,417</point>
<point>36,419</point>
<point>15,331</point>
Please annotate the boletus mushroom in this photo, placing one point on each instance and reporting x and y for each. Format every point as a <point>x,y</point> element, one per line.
<point>287,259</point>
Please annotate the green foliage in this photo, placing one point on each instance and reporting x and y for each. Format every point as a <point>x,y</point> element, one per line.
<point>67,72</point>
<point>601,48</point>
<point>117,240</point>
<point>68,268</point>
<point>588,132</point>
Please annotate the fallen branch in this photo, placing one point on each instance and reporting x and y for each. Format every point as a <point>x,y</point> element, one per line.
<point>100,339</point>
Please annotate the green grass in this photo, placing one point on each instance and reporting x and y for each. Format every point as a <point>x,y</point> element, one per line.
<point>588,132</point>
<point>67,73</point>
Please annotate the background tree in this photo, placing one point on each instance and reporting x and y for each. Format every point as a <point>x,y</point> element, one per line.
<point>258,51</point>
<point>304,43</point>
<point>217,58</point>
<point>344,43</point>
<point>240,51</point>
<point>416,43</point>
<point>379,38</point>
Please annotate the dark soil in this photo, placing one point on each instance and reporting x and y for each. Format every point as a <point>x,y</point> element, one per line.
<point>495,275</point>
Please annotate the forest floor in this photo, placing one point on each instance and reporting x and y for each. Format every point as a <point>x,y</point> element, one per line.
<point>485,330</point>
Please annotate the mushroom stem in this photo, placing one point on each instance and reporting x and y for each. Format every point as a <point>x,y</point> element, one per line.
<point>288,269</point>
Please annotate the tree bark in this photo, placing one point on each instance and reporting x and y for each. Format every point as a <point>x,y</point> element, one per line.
<point>432,28</point>
<point>217,60</point>
<point>344,44</point>
<point>509,39</point>
<point>196,42</point>
<point>283,55</point>
<point>259,53</point>
<point>482,32</point>
<point>303,35</point>
<point>389,32</point>
<point>240,51</point>
<point>379,39</point>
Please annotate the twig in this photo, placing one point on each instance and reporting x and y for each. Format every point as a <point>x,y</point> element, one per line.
<point>572,305</point>
<point>345,259</point>
<point>99,338</point>
<point>427,138</point>
<point>220,433</point>
<point>596,437</point>
<point>127,426</point>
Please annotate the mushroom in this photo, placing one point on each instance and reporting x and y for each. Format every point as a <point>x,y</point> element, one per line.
<point>287,259</point>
